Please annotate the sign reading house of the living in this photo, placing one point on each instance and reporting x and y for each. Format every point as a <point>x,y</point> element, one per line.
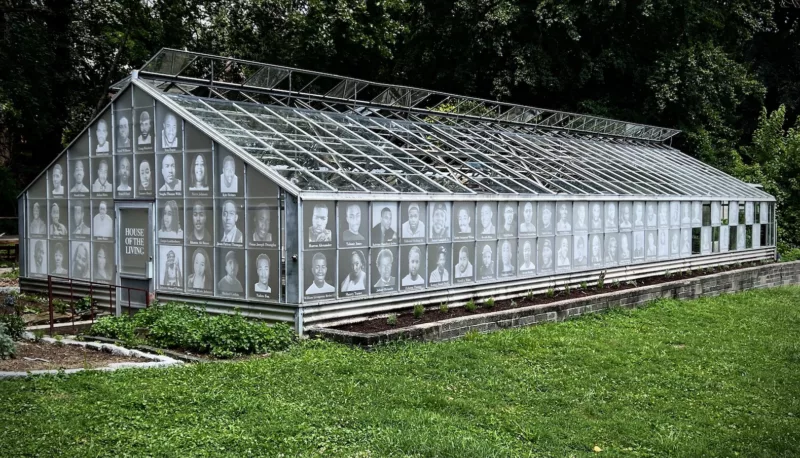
<point>135,243</point>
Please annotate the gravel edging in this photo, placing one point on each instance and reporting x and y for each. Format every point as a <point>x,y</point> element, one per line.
<point>171,353</point>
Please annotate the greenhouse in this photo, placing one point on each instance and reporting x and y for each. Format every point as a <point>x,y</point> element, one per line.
<point>299,196</point>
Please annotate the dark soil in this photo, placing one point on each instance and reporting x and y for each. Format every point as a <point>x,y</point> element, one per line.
<point>59,357</point>
<point>407,318</point>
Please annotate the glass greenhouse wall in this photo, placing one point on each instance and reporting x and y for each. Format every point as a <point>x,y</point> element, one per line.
<point>281,209</point>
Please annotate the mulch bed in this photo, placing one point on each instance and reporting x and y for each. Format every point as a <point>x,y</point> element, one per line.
<point>407,319</point>
<point>59,357</point>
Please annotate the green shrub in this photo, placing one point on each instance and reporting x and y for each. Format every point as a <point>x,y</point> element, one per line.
<point>14,326</point>
<point>529,295</point>
<point>489,303</point>
<point>551,292</point>
<point>567,289</point>
<point>60,306</point>
<point>83,305</point>
<point>584,285</point>
<point>444,307</point>
<point>470,305</point>
<point>113,327</point>
<point>8,349</point>
<point>391,320</point>
<point>601,280</point>
<point>790,255</point>
<point>419,310</point>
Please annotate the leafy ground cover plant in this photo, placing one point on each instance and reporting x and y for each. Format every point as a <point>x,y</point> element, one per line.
<point>7,346</point>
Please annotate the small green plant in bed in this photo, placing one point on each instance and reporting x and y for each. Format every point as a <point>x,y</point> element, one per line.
<point>470,306</point>
<point>419,310</point>
<point>391,320</point>
<point>14,325</point>
<point>489,303</point>
<point>8,349</point>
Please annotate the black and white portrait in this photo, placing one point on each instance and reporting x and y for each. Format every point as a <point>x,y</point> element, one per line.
<point>102,185</point>
<point>563,253</point>
<point>610,250</point>
<point>103,263</point>
<point>262,275</point>
<point>595,250</point>
<point>733,213</point>
<point>37,259</point>
<point>229,178</point>
<point>651,245</point>
<point>231,234</point>
<point>230,272</point>
<point>674,243</point>
<point>527,256</point>
<point>262,223</point>
<point>487,220</point>
<point>80,261</point>
<point>412,267</point>
<point>527,223</point>
<point>37,225</point>
<point>697,214</point>
<point>663,215</point>
<point>384,270</point>
<point>171,184</point>
<point>686,214</point>
<point>507,227</point>
<point>78,188</point>
<point>580,257</point>
<point>463,269</point>
<point>705,240</point>
<point>748,213</point>
<point>57,181</point>
<point>78,228</point>
<point>546,219</point>
<point>144,139</point>
<point>353,273</point>
<point>101,138</point>
<point>564,218</point>
<point>170,132</point>
<point>464,224</point>
<point>638,245</point>
<point>595,217</point>
<point>319,224</point>
<point>319,278</point>
<point>123,139</point>
<point>200,274</point>
<point>580,217</point>
<point>57,229</point>
<point>439,228</point>
<point>384,224</point>
<point>506,258</point>
<point>413,229</point>
<point>200,223</point>
<point>170,220</point>
<point>485,260</point>
<point>625,217</point>
<point>638,216</point>
<point>724,239</point>
<point>439,264</point>
<point>663,243</point>
<point>624,253</point>
<point>124,176</point>
<point>170,261</point>
<point>103,220</point>
<point>651,217</point>
<point>546,262</point>
<point>674,214</point>
<point>59,261</point>
<point>611,217</point>
<point>144,179</point>
<point>199,174</point>
<point>686,242</point>
<point>353,224</point>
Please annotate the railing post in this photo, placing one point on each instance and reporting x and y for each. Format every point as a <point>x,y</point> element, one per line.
<point>110,301</point>
<point>129,302</point>
<point>50,300</point>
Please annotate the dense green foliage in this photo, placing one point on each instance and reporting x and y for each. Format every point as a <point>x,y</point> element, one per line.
<point>173,325</point>
<point>712,377</point>
<point>14,325</point>
<point>709,68</point>
<point>8,348</point>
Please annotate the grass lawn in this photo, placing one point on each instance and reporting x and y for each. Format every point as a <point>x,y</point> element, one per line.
<point>711,377</point>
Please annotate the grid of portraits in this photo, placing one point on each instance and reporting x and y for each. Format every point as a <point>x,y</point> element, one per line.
<point>356,248</point>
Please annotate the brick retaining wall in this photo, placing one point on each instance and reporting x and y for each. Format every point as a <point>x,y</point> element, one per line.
<point>766,276</point>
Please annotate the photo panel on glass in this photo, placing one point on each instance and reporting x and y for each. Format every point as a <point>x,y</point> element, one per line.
<point>412,267</point>
<point>58,219</point>
<point>507,258</point>
<point>663,215</point>
<point>697,214</point>
<point>715,239</point>
<point>624,254</point>
<point>102,186</point>
<point>124,101</point>
<point>384,224</point>
<point>705,240</point>
<point>231,272</point>
<point>674,243</point>
<point>464,224</point>
<point>80,148</point>
<point>507,225</point>
<point>440,220</point>
<point>38,189</point>
<point>663,244</point>
<point>724,239</point>
<point>625,216</point>
<point>100,138</point>
<point>200,174</point>
<point>595,251</point>
<point>231,179</point>
<point>564,218</point>
<point>145,178</point>
<point>263,222</point>
<point>200,270</point>
<point>748,212</point>
<point>638,246</point>
<point>124,177</point>
<point>259,185</point>
<point>170,221</point>
<point>37,258</point>
<point>686,242</point>
<point>611,250</point>
<point>170,130</point>
<point>651,216</point>
<point>169,178</point>
<point>58,179</point>
<point>263,274</point>
<point>78,221</point>
<point>384,269</point>
<point>80,261</point>
<point>103,263</point>
<point>580,250</point>
<point>170,268</point>
<point>580,217</point>
<point>484,259</point>
<point>651,245</point>
<point>439,264</point>
<point>527,219</point>
<point>38,217</point>
<point>611,217</point>
<point>563,253</point>
<point>413,216</point>
<point>59,258</point>
<point>199,222</point>
<point>143,129</point>
<point>231,222</point>
<point>103,219</point>
<point>319,223</point>
<point>487,220</point>
<point>527,256</point>
<point>715,214</point>
<point>639,216</point>
<point>706,213</point>
<point>79,178</point>
<point>353,272</point>
<point>195,140</point>
<point>546,219</point>
<point>463,268</point>
<point>756,235</point>
<point>595,217</point>
<point>764,213</point>
<point>674,214</point>
<point>123,132</point>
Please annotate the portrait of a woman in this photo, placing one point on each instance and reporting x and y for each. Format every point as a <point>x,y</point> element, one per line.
<point>199,180</point>
<point>170,227</point>
<point>201,277</point>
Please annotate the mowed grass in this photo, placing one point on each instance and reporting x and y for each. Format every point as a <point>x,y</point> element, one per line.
<point>711,377</point>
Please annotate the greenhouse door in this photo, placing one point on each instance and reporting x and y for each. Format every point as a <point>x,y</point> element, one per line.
<point>135,254</point>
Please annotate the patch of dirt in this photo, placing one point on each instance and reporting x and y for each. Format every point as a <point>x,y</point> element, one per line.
<point>407,319</point>
<point>59,357</point>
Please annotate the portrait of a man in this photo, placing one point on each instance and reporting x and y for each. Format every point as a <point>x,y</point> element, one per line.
<point>527,264</point>
<point>170,174</point>
<point>596,219</point>
<point>228,181</point>
<point>145,137</point>
<point>611,250</point>
<point>546,224</point>
<point>439,259</point>
<point>486,270</point>
<point>37,226</point>
<point>579,252</point>
<point>546,264</point>
<point>80,260</point>
<point>57,229</point>
<point>101,135</point>
<point>596,255</point>
<point>686,242</point>
<point>383,232</point>
<point>440,222</point>
<point>638,245</point>
<point>563,255</point>
<point>103,223</point>
<point>506,254</point>
<point>611,217</point>
<point>199,233</point>
<point>663,215</point>
<point>508,223</point>
<point>638,215</point>
<point>230,218</point>
<point>564,223</point>
<point>38,262</point>
<point>169,132</point>
<point>79,227</point>
<point>101,184</point>
<point>625,219</point>
<point>414,278</point>
<point>229,284</point>
<point>319,232</point>
<point>262,228</point>
<point>78,176</point>
<point>487,221</point>
<point>262,286</point>
<point>57,186</point>
<point>319,277</point>
<point>527,225</point>
<point>385,266</point>
<point>352,235</point>
<point>124,175</point>
<point>413,229</point>
<point>624,248</point>
<point>123,133</point>
<point>464,229</point>
<point>463,270</point>
<point>652,215</point>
